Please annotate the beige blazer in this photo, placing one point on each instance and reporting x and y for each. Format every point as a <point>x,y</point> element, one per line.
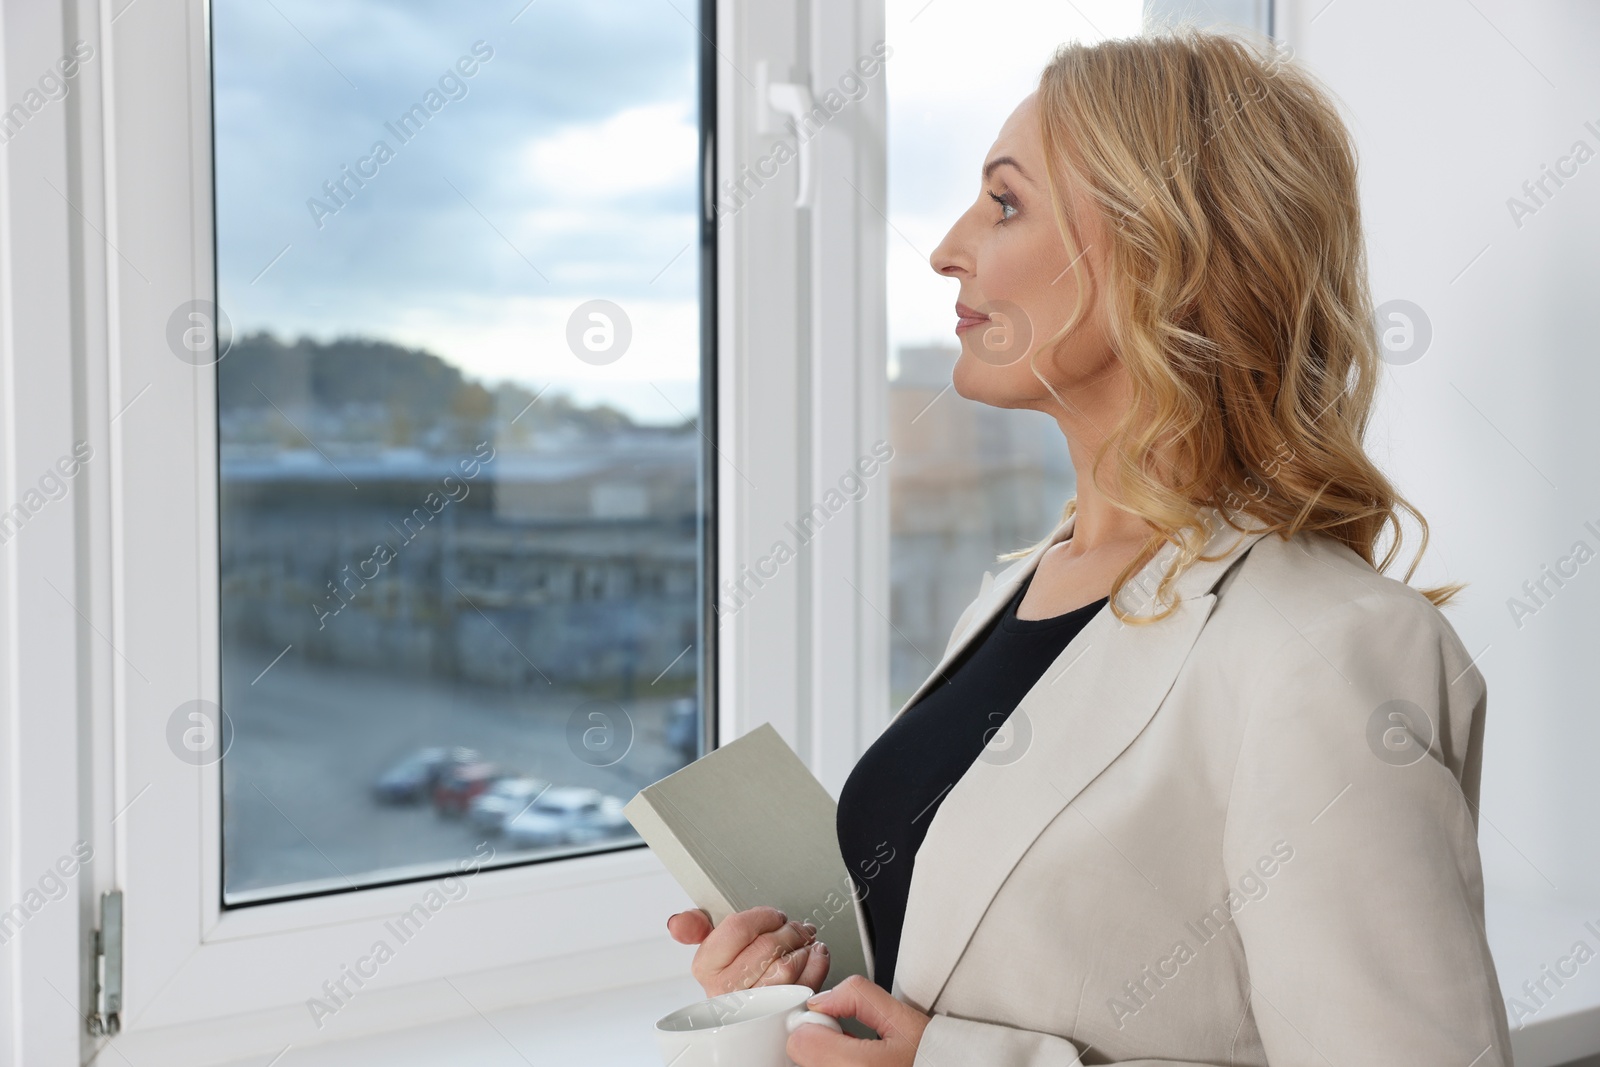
<point>1246,834</point>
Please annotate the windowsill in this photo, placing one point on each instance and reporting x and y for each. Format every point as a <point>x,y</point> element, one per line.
<point>612,1028</point>
<point>606,1029</point>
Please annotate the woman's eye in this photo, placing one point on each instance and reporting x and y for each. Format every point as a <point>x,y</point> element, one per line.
<point>1005,206</point>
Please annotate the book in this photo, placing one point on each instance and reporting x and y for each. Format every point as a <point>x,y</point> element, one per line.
<point>749,824</point>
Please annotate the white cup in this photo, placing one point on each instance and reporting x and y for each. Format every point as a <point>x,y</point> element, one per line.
<point>745,1028</point>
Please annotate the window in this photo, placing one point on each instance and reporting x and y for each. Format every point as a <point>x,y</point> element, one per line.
<point>968,482</point>
<point>390,307</point>
<point>463,489</point>
<point>412,509</point>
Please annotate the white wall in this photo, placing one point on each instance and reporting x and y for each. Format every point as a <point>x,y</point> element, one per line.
<point>1491,432</point>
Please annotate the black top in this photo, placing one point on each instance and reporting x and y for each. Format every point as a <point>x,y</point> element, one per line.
<point>895,788</point>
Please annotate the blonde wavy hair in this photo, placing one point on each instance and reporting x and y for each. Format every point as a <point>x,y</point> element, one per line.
<point>1238,300</point>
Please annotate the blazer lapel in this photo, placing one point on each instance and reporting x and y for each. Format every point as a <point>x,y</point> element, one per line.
<point>1085,710</point>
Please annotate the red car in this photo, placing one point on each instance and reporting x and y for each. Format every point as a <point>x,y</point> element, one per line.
<point>460,783</point>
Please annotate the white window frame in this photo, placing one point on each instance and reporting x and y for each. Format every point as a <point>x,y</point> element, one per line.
<point>801,397</point>
<point>48,651</point>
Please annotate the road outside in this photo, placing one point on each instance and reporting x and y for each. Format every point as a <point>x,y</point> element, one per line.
<point>310,739</point>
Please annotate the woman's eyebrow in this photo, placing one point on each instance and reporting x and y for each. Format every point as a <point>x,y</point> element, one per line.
<point>989,167</point>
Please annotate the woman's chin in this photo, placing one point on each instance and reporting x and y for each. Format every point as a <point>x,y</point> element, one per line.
<point>978,381</point>
<point>968,379</point>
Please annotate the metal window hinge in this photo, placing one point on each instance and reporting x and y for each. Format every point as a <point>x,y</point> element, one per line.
<point>106,1019</point>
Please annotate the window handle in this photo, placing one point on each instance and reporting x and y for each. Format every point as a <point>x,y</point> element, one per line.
<point>793,100</point>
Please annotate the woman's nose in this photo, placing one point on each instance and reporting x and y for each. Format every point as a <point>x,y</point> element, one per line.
<point>946,259</point>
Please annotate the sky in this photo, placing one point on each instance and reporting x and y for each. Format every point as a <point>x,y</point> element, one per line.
<point>562,170</point>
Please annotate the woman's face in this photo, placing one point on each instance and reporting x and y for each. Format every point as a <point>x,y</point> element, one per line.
<point>1016,289</point>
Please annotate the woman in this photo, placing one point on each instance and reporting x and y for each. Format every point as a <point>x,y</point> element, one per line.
<point>1226,813</point>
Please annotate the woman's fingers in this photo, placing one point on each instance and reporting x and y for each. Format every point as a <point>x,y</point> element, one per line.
<point>689,927</point>
<point>897,1023</point>
<point>757,946</point>
<point>816,969</point>
<point>747,968</point>
<point>787,969</point>
<point>736,933</point>
<point>731,941</point>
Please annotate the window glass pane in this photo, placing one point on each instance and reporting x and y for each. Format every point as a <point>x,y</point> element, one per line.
<point>968,481</point>
<point>463,496</point>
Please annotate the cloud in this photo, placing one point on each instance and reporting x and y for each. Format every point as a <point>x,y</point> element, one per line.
<point>651,147</point>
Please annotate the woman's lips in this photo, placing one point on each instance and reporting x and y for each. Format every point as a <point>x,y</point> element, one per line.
<point>968,317</point>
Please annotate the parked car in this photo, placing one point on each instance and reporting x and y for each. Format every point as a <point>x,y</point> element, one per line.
<point>460,783</point>
<point>415,776</point>
<point>507,797</point>
<point>553,816</point>
<point>683,728</point>
<point>607,821</point>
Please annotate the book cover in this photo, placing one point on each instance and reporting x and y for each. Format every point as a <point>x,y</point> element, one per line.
<point>749,824</point>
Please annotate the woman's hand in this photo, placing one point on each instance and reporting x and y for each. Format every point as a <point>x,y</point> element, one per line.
<point>755,947</point>
<point>898,1024</point>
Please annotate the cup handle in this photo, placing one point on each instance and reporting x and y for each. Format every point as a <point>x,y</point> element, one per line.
<point>801,1017</point>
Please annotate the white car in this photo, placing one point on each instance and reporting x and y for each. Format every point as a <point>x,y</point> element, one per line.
<point>490,809</point>
<point>608,821</point>
<point>554,816</point>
